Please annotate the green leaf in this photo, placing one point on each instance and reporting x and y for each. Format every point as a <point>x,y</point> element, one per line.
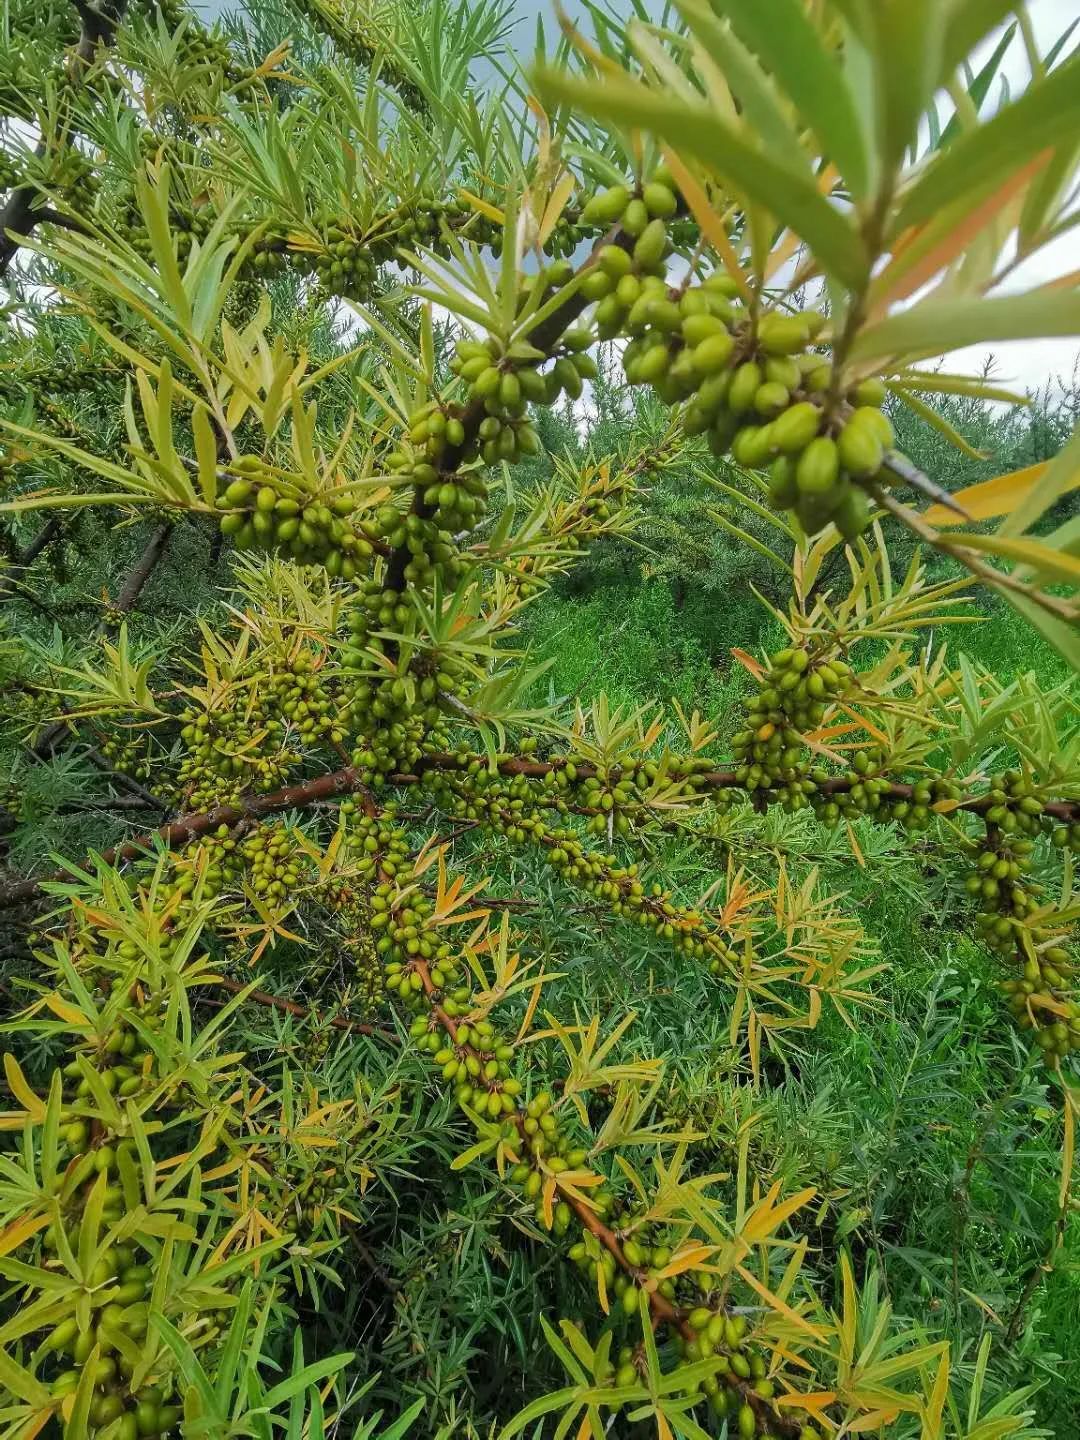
<point>759,102</point>
<point>569,1364</point>
<point>482,1147</point>
<point>21,1383</point>
<point>403,1422</point>
<point>543,1405</point>
<point>765,551</point>
<point>189,1365</point>
<point>1047,113</point>
<point>980,86</point>
<point>309,1375</point>
<point>970,21</point>
<point>908,39</point>
<point>792,48</point>
<point>698,131</point>
<point>214,1274</point>
<point>939,325</point>
<point>938,382</point>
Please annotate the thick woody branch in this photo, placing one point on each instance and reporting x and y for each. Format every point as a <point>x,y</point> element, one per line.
<point>189,828</point>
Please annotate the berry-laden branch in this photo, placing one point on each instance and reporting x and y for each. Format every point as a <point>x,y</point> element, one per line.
<point>462,1042</point>
<point>348,780</point>
<point>456,447</point>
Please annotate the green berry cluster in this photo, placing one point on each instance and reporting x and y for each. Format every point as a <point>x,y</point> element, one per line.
<point>740,1389</point>
<point>349,40</point>
<point>375,844</point>
<point>793,696</point>
<point>59,377</point>
<point>867,789</point>
<point>396,715</point>
<point>303,700</point>
<point>274,863</point>
<point>217,859</point>
<point>206,49</point>
<point>505,386</point>
<point>751,383</point>
<point>230,748</point>
<point>1040,998</point>
<point>343,266</point>
<point>264,512</point>
<point>73,175</point>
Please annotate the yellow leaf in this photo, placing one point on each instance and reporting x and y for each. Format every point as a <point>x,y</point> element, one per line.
<point>992,497</point>
<point>554,208</point>
<point>19,1231</point>
<point>550,1185</point>
<point>815,1402</point>
<point>34,1105</point>
<point>689,1259</point>
<point>872,1420</point>
<point>769,1217</point>
<point>482,206</point>
<point>530,1009</point>
<point>271,62</point>
<point>1056,566</point>
<point>936,1404</point>
<point>780,1306</point>
<point>70,1014</point>
<point>601,1289</point>
<point>851,1309</point>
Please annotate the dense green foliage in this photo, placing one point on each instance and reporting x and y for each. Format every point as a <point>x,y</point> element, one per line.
<point>536,871</point>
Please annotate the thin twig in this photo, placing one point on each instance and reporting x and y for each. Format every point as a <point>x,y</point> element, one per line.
<point>290,1007</point>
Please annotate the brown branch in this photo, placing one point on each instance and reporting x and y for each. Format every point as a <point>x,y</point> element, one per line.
<point>49,532</point>
<point>290,1007</point>
<point>347,781</point>
<point>188,828</point>
<point>136,581</point>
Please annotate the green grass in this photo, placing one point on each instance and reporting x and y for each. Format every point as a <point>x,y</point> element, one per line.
<point>637,646</point>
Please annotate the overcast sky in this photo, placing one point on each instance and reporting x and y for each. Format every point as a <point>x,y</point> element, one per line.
<point>1028,364</point>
